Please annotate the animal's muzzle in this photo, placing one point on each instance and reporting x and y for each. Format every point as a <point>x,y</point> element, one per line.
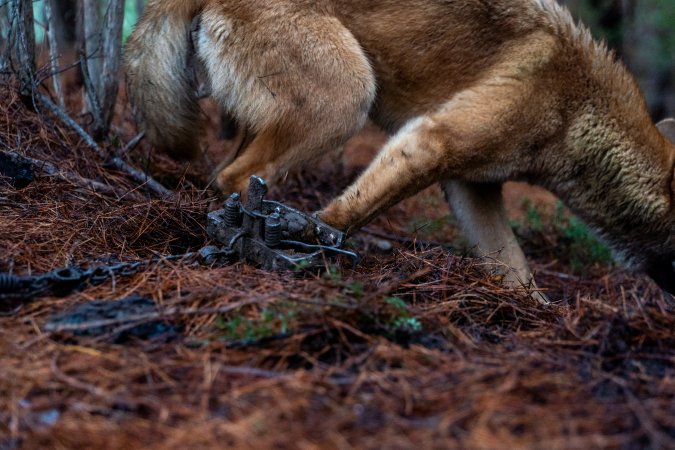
<point>663,272</point>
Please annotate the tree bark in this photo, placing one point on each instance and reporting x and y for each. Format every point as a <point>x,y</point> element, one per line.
<point>4,37</point>
<point>51,23</point>
<point>112,49</point>
<point>65,18</point>
<point>91,57</point>
<point>23,48</point>
<point>92,37</point>
<point>101,61</point>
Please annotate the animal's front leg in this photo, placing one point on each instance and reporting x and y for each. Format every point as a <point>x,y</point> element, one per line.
<point>408,163</point>
<point>478,136</point>
<point>479,208</point>
<point>463,139</point>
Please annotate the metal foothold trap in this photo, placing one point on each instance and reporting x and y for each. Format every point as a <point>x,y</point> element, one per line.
<point>272,235</point>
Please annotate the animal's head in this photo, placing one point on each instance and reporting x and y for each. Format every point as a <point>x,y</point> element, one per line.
<point>621,181</point>
<point>661,264</point>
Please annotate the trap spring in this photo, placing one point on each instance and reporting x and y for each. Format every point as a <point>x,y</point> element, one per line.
<point>272,235</point>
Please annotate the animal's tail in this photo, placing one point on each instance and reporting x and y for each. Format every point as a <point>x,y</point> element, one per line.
<point>160,80</point>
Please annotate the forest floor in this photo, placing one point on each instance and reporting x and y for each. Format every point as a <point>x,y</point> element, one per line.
<point>419,346</point>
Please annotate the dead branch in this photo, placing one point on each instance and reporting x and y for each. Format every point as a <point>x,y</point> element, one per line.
<point>114,161</point>
<point>51,170</point>
<point>133,143</point>
<point>134,320</point>
<point>100,61</point>
<point>253,372</point>
<point>417,243</point>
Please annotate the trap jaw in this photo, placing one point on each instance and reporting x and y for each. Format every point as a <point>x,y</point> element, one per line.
<point>272,235</point>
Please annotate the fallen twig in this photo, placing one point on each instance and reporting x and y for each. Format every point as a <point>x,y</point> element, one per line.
<point>133,143</point>
<point>134,320</point>
<point>253,372</point>
<point>50,169</point>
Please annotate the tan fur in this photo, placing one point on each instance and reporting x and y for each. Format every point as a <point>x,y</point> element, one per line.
<point>473,92</point>
<point>159,83</point>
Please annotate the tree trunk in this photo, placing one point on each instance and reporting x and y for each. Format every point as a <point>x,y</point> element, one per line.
<point>65,22</point>
<point>22,53</point>
<point>100,65</point>
<point>139,7</point>
<point>4,37</point>
<point>112,49</point>
<point>52,37</point>
<point>90,60</point>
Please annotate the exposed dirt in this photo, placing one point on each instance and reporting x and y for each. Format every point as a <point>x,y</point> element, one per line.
<point>419,347</point>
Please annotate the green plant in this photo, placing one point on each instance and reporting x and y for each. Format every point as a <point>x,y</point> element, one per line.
<point>354,289</point>
<point>333,274</point>
<point>533,216</point>
<point>565,236</point>
<point>402,320</point>
<point>408,323</point>
<point>397,303</point>
<point>270,322</point>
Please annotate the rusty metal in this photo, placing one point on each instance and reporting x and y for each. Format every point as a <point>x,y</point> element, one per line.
<point>272,235</point>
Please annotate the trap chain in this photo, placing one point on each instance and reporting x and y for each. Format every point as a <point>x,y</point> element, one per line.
<point>264,233</point>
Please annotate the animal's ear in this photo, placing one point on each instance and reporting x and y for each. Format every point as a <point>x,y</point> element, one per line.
<point>667,128</point>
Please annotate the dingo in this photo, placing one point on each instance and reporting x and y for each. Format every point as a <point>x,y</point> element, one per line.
<point>473,92</point>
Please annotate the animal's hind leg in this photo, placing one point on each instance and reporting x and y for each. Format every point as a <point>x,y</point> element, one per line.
<point>229,159</point>
<point>263,156</point>
<point>271,153</point>
<point>301,86</point>
<point>479,208</point>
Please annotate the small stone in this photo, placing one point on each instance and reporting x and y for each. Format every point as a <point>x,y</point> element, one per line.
<point>384,246</point>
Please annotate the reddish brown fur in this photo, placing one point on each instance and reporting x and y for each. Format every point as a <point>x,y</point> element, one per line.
<point>474,93</point>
